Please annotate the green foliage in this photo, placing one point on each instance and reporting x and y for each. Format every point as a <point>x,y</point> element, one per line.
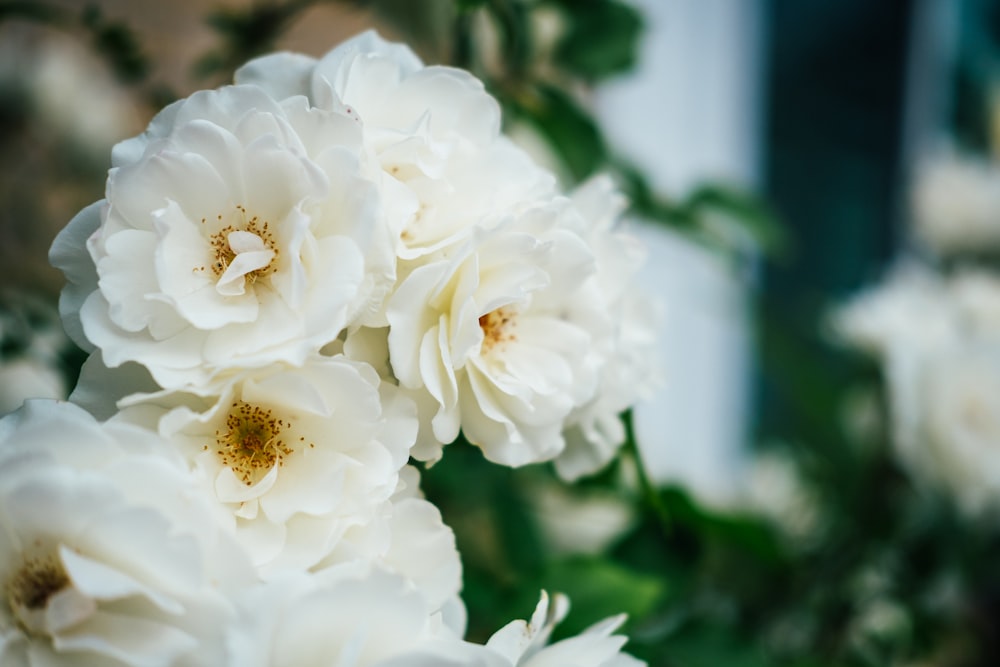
<point>113,40</point>
<point>245,33</point>
<point>596,586</point>
<point>31,10</point>
<point>116,42</point>
<point>601,38</point>
<point>569,129</point>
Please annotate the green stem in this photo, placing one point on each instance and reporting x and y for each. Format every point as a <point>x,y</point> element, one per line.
<point>649,492</point>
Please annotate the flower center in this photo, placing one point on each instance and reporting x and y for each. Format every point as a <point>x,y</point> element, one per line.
<point>497,326</point>
<point>250,445</point>
<point>33,586</point>
<point>242,253</point>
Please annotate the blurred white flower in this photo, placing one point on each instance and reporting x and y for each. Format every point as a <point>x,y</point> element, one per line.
<point>297,456</point>
<point>911,306</point>
<point>52,66</point>
<point>525,644</point>
<point>956,203</point>
<point>945,407</point>
<point>938,340</point>
<point>21,379</point>
<point>221,244</point>
<point>579,523</point>
<point>775,490</point>
<point>108,552</point>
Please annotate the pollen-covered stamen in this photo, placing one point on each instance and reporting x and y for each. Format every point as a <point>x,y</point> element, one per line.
<point>33,585</point>
<point>498,327</point>
<point>243,253</point>
<point>251,445</point>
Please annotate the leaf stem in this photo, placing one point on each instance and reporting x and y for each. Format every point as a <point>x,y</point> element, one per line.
<point>651,496</point>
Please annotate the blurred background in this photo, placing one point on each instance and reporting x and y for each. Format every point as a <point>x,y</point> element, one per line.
<point>772,150</point>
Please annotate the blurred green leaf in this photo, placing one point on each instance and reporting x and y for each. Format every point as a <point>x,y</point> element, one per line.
<point>742,212</point>
<point>598,588</point>
<point>712,646</point>
<point>118,44</point>
<point>32,10</point>
<point>247,32</point>
<point>570,130</point>
<point>601,39</point>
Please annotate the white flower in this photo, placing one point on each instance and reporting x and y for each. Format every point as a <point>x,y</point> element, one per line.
<point>410,539</point>
<point>354,617</point>
<point>108,553</point>
<point>776,490</point>
<point>622,321</point>
<point>236,233</point>
<point>485,331</point>
<point>956,202</point>
<point>434,130</point>
<point>361,617</point>
<point>945,406</point>
<point>579,523</point>
<point>297,456</point>
<point>938,340</point>
<point>525,644</point>
<point>911,307</point>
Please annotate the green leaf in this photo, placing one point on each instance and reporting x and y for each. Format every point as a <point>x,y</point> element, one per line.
<point>601,39</point>
<point>713,646</point>
<point>726,212</point>
<point>569,129</point>
<point>469,5</point>
<point>118,44</point>
<point>32,10</point>
<point>598,588</point>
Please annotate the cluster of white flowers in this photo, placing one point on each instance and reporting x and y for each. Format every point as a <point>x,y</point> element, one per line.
<point>294,285</point>
<point>937,338</point>
<point>934,326</point>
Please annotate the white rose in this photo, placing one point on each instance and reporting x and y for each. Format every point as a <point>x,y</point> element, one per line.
<point>912,306</point>
<point>946,419</point>
<point>108,552</point>
<point>353,617</point>
<point>579,523</point>
<point>409,538</point>
<point>976,293</point>
<point>434,130</point>
<point>776,490</point>
<point>956,202</point>
<point>485,331</point>
<point>226,241</point>
<point>525,644</point>
<point>623,322</point>
<point>297,456</point>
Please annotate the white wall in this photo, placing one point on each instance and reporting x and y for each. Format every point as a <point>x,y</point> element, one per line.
<point>691,112</point>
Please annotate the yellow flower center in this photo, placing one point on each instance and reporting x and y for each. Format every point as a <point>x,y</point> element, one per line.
<point>34,584</point>
<point>497,326</point>
<point>224,253</point>
<point>251,444</point>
